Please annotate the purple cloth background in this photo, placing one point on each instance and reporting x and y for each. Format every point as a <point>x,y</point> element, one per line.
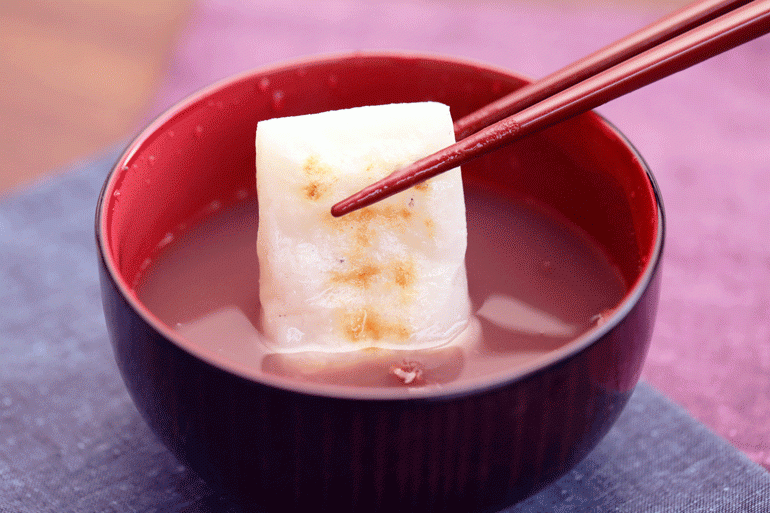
<point>705,133</point>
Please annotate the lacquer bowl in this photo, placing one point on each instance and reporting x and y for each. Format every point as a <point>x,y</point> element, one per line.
<point>283,445</point>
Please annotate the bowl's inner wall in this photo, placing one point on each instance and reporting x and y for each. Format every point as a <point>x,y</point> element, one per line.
<point>202,156</point>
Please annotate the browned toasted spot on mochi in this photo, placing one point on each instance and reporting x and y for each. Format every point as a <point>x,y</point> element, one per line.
<point>395,215</point>
<point>388,214</point>
<point>321,177</point>
<point>363,215</point>
<point>367,324</point>
<point>360,276</point>
<point>430,225</point>
<point>363,236</point>
<point>356,224</point>
<point>314,166</point>
<point>422,186</point>
<point>362,226</point>
<point>403,273</point>
<point>315,190</point>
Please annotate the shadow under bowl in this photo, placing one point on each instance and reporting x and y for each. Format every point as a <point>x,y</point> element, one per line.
<point>285,445</point>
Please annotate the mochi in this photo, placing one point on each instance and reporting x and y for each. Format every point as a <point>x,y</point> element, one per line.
<point>391,275</point>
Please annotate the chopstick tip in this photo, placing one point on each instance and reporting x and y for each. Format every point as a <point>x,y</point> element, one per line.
<point>341,208</point>
<point>363,198</point>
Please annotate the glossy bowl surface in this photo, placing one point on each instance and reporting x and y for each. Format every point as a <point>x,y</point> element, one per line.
<point>285,445</point>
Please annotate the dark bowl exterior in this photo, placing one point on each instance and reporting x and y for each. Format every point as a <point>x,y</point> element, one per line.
<point>473,450</point>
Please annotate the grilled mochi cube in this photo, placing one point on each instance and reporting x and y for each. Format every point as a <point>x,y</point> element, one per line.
<point>391,275</point>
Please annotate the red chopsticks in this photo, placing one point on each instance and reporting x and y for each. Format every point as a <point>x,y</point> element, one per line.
<point>691,35</point>
<point>666,28</point>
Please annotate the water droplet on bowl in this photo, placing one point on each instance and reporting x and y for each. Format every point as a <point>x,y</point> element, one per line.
<point>264,85</point>
<point>278,101</point>
<point>198,131</point>
<point>166,240</point>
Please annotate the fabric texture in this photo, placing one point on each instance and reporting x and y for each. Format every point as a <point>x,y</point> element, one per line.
<point>704,132</point>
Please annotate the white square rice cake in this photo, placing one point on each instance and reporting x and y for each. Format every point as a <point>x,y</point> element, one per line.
<point>391,275</point>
